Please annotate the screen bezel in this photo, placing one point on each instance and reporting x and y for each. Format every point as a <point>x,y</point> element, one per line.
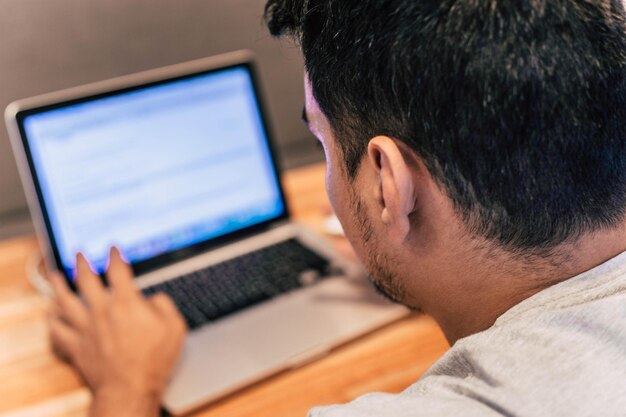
<point>180,254</point>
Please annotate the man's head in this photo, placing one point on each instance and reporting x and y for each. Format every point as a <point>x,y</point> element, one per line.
<point>508,115</point>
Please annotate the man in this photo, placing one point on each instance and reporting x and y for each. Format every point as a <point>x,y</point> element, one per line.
<point>476,157</point>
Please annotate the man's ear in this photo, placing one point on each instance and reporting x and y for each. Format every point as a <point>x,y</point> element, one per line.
<point>395,189</point>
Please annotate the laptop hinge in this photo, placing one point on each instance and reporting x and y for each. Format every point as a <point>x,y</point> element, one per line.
<point>279,224</point>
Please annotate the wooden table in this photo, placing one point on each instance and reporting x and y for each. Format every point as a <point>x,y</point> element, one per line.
<point>34,383</point>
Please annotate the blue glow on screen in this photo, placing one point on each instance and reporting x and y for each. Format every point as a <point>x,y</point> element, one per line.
<point>156,169</point>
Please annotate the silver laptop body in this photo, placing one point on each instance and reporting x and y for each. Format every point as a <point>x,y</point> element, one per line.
<point>243,347</point>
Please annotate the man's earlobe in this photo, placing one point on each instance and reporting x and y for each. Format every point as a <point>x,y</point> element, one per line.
<point>386,217</point>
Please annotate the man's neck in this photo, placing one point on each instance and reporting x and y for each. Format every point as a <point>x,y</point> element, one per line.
<point>477,288</point>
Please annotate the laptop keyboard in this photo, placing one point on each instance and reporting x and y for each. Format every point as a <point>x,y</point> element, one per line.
<point>218,290</point>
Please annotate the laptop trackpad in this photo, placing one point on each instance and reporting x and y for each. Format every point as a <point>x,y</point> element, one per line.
<point>285,332</point>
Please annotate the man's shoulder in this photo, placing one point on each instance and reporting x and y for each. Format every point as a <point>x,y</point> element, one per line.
<point>561,353</point>
<point>407,404</point>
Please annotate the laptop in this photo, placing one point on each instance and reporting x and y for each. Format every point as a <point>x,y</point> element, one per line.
<point>176,166</point>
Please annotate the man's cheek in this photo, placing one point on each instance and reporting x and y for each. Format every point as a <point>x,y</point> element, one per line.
<point>340,203</point>
<point>330,188</point>
<point>337,202</point>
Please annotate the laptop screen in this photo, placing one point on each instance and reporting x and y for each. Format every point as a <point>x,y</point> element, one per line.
<point>154,169</point>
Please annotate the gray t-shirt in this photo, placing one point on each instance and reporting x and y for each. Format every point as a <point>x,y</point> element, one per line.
<point>561,352</point>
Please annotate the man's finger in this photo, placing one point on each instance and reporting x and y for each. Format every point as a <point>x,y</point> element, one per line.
<point>162,303</point>
<point>167,309</point>
<point>64,339</point>
<point>69,305</point>
<point>120,275</point>
<point>89,283</point>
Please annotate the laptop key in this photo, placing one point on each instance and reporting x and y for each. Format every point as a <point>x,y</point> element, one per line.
<point>222,289</point>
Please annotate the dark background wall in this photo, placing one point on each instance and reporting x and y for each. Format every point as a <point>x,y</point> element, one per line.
<point>46,45</point>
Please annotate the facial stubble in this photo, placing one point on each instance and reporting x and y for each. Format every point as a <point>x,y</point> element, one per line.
<point>376,260</point>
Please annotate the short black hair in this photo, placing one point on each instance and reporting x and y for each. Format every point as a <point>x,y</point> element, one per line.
<point>517,108</point>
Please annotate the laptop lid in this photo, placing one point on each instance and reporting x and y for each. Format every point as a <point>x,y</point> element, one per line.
<point>164,164</point>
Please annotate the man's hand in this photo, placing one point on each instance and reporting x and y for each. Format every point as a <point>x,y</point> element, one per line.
<point>124,345</point>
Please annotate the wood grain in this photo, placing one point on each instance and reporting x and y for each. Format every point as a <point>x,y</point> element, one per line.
<point>34,383</point>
